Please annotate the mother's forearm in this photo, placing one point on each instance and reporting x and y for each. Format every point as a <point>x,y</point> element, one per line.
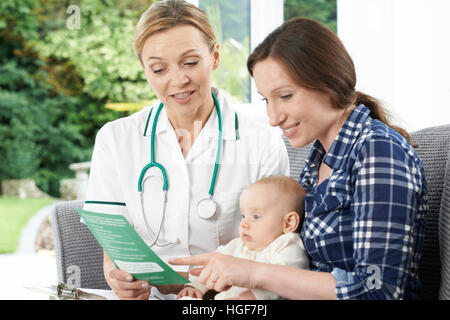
<point>295,284</point>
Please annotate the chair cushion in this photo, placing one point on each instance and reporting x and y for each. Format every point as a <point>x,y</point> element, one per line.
<point>433,149</point>
<point>444,236</point>
<point>297,157</point>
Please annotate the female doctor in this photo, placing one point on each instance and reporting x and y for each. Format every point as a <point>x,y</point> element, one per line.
<point>175,169</point>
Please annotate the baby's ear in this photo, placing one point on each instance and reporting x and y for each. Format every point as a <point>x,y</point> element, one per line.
<point>291,221</point>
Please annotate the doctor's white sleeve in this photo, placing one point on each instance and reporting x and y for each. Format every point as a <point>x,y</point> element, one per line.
<point>104,192</point>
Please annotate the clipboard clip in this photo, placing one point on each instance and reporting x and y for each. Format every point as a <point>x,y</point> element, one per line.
<point>64,292</point>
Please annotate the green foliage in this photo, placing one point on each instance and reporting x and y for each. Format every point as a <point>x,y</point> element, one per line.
<point>322,10</point>
<point>20,158</point>
<point>101,51</point>
<point>16,18</point>
<point>232,74</point>
<point>35,128</point>
<point>229,19</point>
<point>231,23</point>
<point>51,107</point>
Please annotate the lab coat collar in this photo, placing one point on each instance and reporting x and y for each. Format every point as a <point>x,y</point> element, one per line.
<point>209,135</point>
<point>228,119</point>
<point>228,116</point>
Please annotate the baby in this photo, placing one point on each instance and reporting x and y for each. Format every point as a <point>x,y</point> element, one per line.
<point>271,210</point>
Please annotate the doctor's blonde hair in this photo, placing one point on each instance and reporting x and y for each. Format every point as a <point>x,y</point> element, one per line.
<point>163,15</point>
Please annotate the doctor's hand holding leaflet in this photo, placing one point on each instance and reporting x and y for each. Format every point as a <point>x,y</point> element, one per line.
<point>175,170</point>
<point>271,211</point>
<point>366,191</point>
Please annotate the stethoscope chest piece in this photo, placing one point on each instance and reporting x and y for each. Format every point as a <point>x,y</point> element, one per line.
<point>206,208</point>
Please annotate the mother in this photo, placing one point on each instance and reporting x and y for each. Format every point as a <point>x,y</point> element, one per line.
<point>366,188</point>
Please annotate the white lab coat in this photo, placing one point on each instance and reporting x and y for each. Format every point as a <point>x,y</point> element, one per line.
<point>122,149</point>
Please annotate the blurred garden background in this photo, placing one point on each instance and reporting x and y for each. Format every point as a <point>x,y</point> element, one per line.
<point>68,67</point>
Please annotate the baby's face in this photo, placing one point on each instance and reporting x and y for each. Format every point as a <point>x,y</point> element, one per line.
<point>262,213</point>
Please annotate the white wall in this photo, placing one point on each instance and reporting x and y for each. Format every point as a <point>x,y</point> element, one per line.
<point>401,51</point>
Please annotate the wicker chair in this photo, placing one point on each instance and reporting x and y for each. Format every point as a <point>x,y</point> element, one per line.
<point>79,257</point>
<point>78,251</point>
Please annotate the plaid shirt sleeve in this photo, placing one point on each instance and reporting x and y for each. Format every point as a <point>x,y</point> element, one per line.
<point>387,183</point>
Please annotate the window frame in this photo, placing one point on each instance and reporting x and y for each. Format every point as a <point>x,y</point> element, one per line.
<point>264,17</point>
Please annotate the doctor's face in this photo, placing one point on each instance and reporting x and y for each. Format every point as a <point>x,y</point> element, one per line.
<point>178,64</point>
<point>262,216</point>
<point>303,114</point>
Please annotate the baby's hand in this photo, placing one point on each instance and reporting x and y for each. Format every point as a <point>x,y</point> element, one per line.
<point>189,291</point>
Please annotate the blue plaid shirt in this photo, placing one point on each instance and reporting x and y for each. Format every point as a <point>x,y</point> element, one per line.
<point>365,223</point>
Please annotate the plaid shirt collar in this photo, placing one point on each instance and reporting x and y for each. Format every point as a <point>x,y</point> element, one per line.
<point>337,155</point>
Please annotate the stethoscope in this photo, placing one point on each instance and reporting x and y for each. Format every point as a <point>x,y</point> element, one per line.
<point>206,207</point>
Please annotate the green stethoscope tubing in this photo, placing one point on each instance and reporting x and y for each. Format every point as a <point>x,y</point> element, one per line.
<point>152,156</point>
<point>219,147</point>
<point>153,163</point>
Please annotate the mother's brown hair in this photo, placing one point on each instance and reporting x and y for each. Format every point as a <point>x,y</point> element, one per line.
<point>317,59</point>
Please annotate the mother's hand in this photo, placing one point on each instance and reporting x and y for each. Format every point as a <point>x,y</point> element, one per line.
<point>219,272</point>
